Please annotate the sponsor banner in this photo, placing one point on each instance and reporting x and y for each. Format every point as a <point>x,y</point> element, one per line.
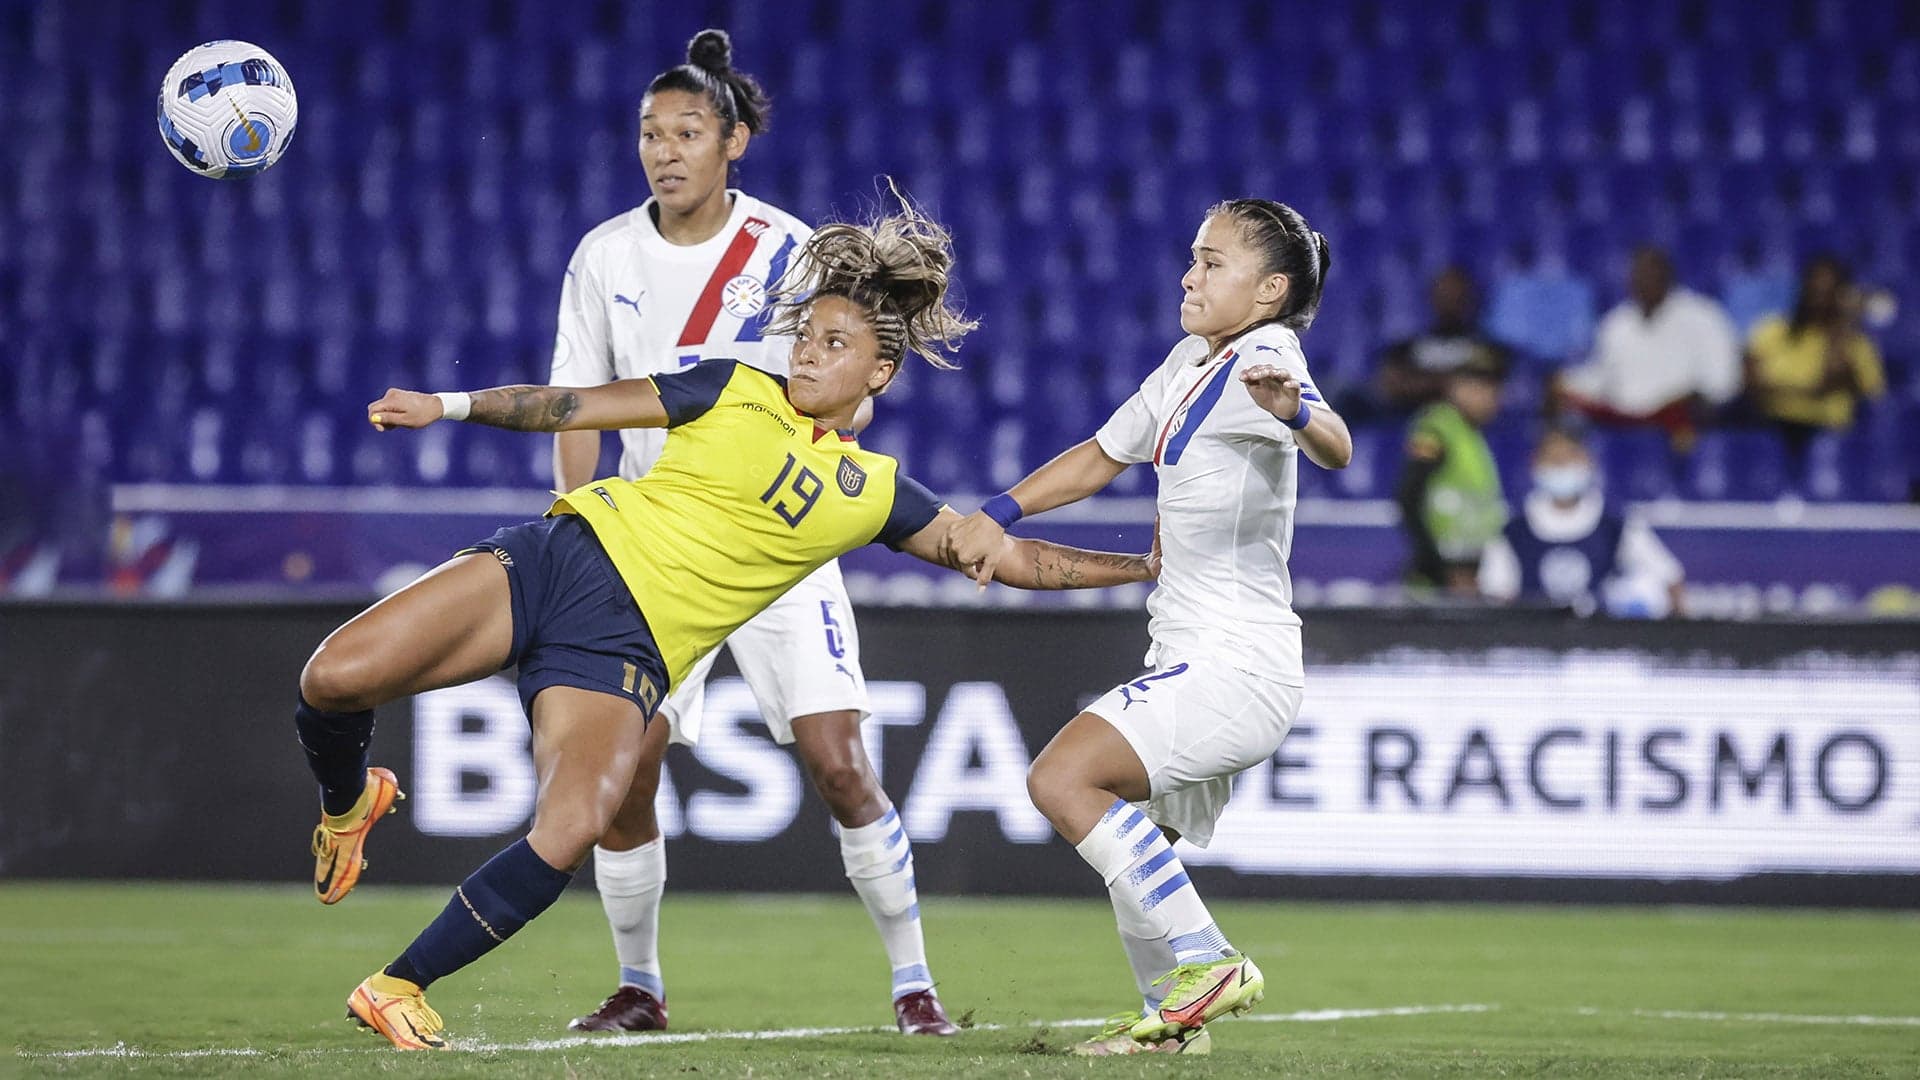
<point>1500,756</point>
<point>1609,765</point>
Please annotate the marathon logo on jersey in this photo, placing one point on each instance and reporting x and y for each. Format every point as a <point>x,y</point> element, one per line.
<point>756,228</point>
<point>853,478</point>
<point>754,406</point>
<point>744,296</point>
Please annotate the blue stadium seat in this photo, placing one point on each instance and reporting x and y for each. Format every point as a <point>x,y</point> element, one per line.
<point>1638,464</point>
<point>1740,465</point>
<point>1752,295</point>
<point>1549,316</point>
<point>450,155</point>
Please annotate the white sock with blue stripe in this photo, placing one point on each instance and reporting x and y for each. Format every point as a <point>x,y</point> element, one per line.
<point>1143,937</point>
<point>630,884</point>
<point>879,861</point>
<point>1133,857</point>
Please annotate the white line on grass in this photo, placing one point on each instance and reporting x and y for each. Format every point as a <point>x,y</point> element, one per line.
<point>1780,1018</point>
<point>587,1042</point>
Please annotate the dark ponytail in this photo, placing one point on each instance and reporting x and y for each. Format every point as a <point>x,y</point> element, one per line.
<point>736,96</point>
<point>1287,246</point>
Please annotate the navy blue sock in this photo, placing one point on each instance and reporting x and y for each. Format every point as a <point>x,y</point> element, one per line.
<point>498,899</point>
<point>336,745</point>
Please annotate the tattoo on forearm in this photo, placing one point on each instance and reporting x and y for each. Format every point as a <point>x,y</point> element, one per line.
<point>1058,567</point>
<point>525,408</point>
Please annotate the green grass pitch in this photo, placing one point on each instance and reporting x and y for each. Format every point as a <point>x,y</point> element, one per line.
<point>197,980</point>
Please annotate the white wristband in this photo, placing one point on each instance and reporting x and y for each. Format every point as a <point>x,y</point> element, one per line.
<point>455,406</point>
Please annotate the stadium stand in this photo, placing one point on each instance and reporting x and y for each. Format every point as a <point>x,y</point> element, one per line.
<point>171,329</point>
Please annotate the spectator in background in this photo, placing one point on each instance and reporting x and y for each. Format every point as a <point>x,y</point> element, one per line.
<point>1451,505</point>
<point>1413,372</point>
<point>1660,358</point>
<point>1807,372</point>
<point>1569,547</point>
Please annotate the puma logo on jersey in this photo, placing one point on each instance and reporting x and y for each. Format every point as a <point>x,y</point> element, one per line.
<point>633,303</point>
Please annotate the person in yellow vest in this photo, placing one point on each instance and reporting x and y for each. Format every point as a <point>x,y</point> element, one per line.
<point>1809,371</point>
<point>609,601</point>
<point>1451,504</point>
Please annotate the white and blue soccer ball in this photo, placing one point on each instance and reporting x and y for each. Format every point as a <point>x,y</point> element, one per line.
<point>227,109</point>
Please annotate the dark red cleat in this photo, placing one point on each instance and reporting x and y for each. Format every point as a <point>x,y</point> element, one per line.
<point>633,1009</point>
<point>919,1013</point>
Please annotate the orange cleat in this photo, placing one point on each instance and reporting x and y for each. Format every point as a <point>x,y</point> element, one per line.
<point>340,843</point>
<point>398,1010</point>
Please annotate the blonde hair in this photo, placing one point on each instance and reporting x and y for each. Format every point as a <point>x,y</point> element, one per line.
<point>898,269</point>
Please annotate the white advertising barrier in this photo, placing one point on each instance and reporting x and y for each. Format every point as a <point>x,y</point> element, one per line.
<point>1497,763</point>
<point>1609,765</point>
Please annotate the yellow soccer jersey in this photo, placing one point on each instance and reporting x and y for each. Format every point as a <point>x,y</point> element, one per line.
<point>742,504</point>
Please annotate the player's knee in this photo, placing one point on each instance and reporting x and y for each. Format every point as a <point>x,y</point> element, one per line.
<point>846,786</point>
<point>334,681</point>
<point>636,822</point>
<point>1045,780</point>
<point>566,839</point>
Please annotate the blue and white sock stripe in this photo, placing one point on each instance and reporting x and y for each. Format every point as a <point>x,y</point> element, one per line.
<point>1139,874</point>
<point>1159,893</point>
<point>649,981</point>
<point>1201,945</point>
<point>1129,825</point>
<point>1154,858</point>
<point>910,978</point>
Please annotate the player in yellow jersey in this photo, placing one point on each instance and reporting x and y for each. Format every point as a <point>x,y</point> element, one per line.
<point>626,584</point>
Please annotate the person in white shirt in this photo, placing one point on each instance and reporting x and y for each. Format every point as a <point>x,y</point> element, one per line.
<point>1223,420</point>
<point>686,277</point>
<point>1658,356</point>
<point>1570,547</point>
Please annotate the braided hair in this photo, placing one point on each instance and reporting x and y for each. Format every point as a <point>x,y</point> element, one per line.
<point>897,270</point>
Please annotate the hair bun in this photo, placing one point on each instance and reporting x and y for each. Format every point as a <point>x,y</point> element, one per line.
<point>711,51</point>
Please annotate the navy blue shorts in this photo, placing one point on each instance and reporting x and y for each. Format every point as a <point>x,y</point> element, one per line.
<point>574,620</point>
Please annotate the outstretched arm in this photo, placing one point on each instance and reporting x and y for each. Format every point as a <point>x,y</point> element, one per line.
<point>1072,476</point>
<point>628,403</point>
<point>1037,564</point>
<point>1324,437</point>
<point>978,538</point>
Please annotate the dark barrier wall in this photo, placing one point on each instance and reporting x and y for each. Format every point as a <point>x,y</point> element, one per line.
<point>1511,756</point>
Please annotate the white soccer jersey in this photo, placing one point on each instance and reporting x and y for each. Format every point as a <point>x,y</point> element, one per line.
<point>1228,485</point>
<point>634,305</point>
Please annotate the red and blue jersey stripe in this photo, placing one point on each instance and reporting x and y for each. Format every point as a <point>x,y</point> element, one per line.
<point>1192,412</point>
<point>732,262</point>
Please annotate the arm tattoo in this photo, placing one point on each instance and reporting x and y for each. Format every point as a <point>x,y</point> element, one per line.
<point>1058,567</point>
<point>525,408</point>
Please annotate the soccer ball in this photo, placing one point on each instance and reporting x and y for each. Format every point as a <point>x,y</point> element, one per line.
<point>227,109</point>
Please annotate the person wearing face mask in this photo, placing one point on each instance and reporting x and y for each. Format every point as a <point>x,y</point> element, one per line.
<point>1569,547</point>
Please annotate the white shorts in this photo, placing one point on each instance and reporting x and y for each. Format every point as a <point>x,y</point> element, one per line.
<point>1195,725</point>
<point>800,656</point>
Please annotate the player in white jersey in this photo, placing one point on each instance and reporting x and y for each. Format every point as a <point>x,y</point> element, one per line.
<point>1223,421</point>
<point>683,278</point>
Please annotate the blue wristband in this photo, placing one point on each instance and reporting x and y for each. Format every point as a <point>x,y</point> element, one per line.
<point>1300,419</point>
<point>1003,508</point>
